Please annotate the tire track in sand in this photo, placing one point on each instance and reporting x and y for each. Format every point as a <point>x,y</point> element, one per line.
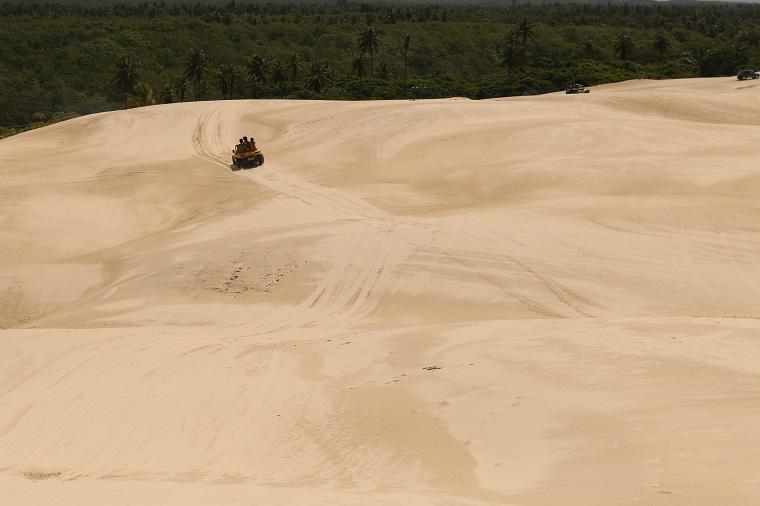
<point>363,268</point>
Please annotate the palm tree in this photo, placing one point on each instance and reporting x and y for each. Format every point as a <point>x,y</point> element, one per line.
<point>624,46</point>
<point>141,96</point>
<point>661,43</point>
<point>510,54</point>
<point>125,78</point>
<point>195,68</point>
<point>228,74</point>
<point>278,72</point>
<point>525,31</point>
<point>316,79</point>
<point>294,65</point>
<point>407,40</point>
<point>358,65</point>
<point>368,42</point>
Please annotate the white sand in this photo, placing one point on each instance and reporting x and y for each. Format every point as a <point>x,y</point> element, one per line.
<point>544,300</point>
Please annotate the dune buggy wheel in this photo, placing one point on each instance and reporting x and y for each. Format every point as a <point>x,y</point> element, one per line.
<point>260,160</point>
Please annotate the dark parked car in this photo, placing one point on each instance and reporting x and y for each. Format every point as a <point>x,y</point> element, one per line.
<point>747,74</point>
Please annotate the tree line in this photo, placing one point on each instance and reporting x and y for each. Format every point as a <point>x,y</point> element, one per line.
<point>58,60</point>
<point>289,74</point>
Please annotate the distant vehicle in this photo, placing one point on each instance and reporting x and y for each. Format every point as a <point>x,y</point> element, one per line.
<point>245,159</point>
<point>747,74</point>
<point>576,88</point>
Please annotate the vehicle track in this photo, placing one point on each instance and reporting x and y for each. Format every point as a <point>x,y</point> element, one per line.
<point>372,248</point>
<point>374,244</point>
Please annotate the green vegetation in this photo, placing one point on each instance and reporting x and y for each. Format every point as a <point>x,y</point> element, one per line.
<point>56,118</point>
<point>59,60</point>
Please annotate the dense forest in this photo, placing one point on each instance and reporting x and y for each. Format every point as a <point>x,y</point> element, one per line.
<point>62,60</point>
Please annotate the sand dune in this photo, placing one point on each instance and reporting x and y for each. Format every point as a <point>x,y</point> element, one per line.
<point>539,300</point>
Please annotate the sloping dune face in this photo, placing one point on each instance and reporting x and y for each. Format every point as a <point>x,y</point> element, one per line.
<point>540,300</point>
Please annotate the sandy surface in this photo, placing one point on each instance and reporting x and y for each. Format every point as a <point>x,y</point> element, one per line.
<point>541,300</point>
